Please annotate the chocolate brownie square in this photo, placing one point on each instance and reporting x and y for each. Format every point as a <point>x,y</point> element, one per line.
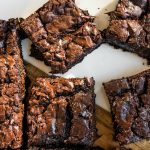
<point>129,101</point>
<point>130,35</point>
<point>130,31</point>
<point>12,87</point>
<point>61,113</point>
<point>62,34</point>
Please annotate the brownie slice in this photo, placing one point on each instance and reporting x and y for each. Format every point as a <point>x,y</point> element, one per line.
<point>62,34</point>
<point>79,148</point>
<point>12,87</point>
<point>130,32</point>
<point>129,101</point>
<point>61,113</point>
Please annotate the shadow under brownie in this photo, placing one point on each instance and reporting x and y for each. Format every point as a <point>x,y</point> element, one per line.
<point>130,105</point>
<point>61,113</point>
<point>62,34</point>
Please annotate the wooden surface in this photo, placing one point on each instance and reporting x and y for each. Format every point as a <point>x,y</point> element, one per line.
<point>104,122</point>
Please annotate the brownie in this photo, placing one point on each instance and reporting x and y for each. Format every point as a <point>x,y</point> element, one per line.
<point>61,113</point>
<point>12,87</point>
<point>62,34</point>
<point>92,148</point>
<point>129,32</point>
<point>129,101</point>
<point>130,9</point>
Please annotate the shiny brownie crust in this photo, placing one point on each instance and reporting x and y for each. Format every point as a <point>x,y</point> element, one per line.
<point>129,101</point>
<point>62,34</point>
<point>61,113</point>
<point>12,86</point>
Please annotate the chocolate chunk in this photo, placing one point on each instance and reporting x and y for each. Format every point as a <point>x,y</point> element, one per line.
<point>117,87</point>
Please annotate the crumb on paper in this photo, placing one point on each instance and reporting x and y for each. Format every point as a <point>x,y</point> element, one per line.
<point>144,63</point>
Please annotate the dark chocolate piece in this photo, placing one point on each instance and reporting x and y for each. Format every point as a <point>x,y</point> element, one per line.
<point>12,87</point>
<point>129,101</point>
<point>62,34</point>
<point>61,113</point>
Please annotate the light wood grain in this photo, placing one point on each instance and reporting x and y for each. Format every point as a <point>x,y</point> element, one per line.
<point>103,118</point>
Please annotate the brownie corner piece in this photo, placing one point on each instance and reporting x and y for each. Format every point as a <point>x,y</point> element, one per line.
<point>129,101</point>
<point>62,34</point>
<point>61,113</point>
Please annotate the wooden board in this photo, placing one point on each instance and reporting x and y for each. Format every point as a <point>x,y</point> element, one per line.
<point>104,121</point>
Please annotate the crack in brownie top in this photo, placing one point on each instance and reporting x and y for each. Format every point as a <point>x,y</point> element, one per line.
<point>129,27</point>
<point>130,105</point>
<point>61,113</point>
<point>62,34</point>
